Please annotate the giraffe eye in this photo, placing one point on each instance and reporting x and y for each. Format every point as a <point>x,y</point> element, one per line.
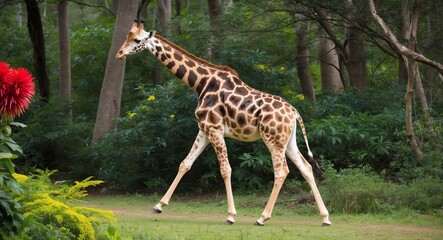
<point>137,41</point>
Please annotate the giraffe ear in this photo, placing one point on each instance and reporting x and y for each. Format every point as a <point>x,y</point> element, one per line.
<point>151,33</point>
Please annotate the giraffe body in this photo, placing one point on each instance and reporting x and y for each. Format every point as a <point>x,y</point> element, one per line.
<point>228,107</point>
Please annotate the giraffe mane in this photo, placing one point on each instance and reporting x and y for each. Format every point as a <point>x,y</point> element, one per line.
<point>197,59</point>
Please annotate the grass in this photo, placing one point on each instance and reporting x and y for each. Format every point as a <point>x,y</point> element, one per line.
<point>203,218</point>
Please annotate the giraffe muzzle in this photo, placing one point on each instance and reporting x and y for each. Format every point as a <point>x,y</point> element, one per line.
<point>120,55</point>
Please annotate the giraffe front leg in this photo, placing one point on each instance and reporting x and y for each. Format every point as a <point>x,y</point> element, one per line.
<point>218,142</point>
<point>199,145</point>
<point>226,175</point>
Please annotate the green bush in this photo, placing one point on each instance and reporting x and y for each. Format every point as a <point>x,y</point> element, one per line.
<point>151,140</point>
<point>423,194</point>
<point>52,146</point>
<point>49,209</point>
<point>361,139</point>
<point>363,191</point>
<point>353,191</point>
<point>9,209</point>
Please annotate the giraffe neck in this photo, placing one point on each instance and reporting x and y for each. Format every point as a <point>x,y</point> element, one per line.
<point>193,71</point>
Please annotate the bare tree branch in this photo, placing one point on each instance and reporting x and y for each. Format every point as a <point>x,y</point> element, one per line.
<point>6,3</point>
<point>90,5</point>
<point>400,47</point>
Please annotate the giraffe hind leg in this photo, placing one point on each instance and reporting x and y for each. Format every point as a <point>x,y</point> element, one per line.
<point>306,170</point>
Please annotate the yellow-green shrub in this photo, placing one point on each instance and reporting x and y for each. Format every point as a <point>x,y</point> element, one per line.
<point>52,204</point>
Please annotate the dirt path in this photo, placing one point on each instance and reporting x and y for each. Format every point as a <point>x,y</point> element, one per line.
<point>214,218</point>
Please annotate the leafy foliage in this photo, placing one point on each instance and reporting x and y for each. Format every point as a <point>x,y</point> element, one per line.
<point>48,208</point>
<point>50,145</point>
<point>9,209</point>
<point>150,138</point>
<point>363,191</point>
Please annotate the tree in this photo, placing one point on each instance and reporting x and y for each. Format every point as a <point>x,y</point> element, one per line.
<point>35,30</point>
<point>410,57</point>
<point>351,51</point>
<point>302,57</point>
<point>110,95</point>
<point>19,15</point>
<point>165,13</point>
<point>329,63</point>
<point>215,10</point>
<point>64,49</point>
<point>164,8</point>
<point>355,46</point>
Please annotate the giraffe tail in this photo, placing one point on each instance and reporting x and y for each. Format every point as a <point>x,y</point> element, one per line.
<point>305,137</point>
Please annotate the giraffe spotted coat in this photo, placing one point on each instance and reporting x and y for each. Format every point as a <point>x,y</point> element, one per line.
<point>228,107</point>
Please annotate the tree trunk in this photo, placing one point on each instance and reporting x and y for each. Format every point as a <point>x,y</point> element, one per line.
<point>411,43</point>
<point>178,8</point>
<point>143,9</point>
<point>408,53</point>
<point>411,67</point>
<point>115,5</point>
<point>402,70</point>
<point>165,14</point>
<point>432,78</point>
<point>302,59</point>
<point>19,15</point>
<point>215,10</point>
<point>110,95</point>
<point>64,48</point>
<point>355,47</point>
<point>35,30</point>
<point>356,64</point>
<point>329,64</point>
<point>155,73</point>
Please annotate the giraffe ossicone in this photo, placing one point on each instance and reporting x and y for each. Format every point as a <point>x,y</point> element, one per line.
<point>228,107</point>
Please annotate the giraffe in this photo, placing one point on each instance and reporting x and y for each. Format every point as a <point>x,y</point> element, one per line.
<point>228,107</point>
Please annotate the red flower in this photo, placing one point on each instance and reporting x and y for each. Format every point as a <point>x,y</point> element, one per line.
<point>16,91</point>
<point>4,73</point>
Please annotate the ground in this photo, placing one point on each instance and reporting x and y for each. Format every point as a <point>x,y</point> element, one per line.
<point>203,218</point>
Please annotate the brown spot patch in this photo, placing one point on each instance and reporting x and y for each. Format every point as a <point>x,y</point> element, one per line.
<point>190,63</point>
<point>267,118</point>
<point>234,99</point>
<point>181,71</point>
<point>201,115</point>
<point>245,103</point>
<point>178,56</point>
<point>228,85</point>
<point>201,85</point>
<point>242,91</point>
<point>170,65</point>
<point>277,104</point>
<point>202,71</point>
<point>192,78</point>
<point>209,100</point>
<point>241,119</point>
<point>213,118</point>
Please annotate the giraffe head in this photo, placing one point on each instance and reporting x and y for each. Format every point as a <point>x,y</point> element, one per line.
<point>136,41</point>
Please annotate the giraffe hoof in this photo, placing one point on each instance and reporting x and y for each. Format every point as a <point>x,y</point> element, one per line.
<point>257,223</point>
<point>156,210</point>
<point>229,222</point>
<point>325,224</point>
